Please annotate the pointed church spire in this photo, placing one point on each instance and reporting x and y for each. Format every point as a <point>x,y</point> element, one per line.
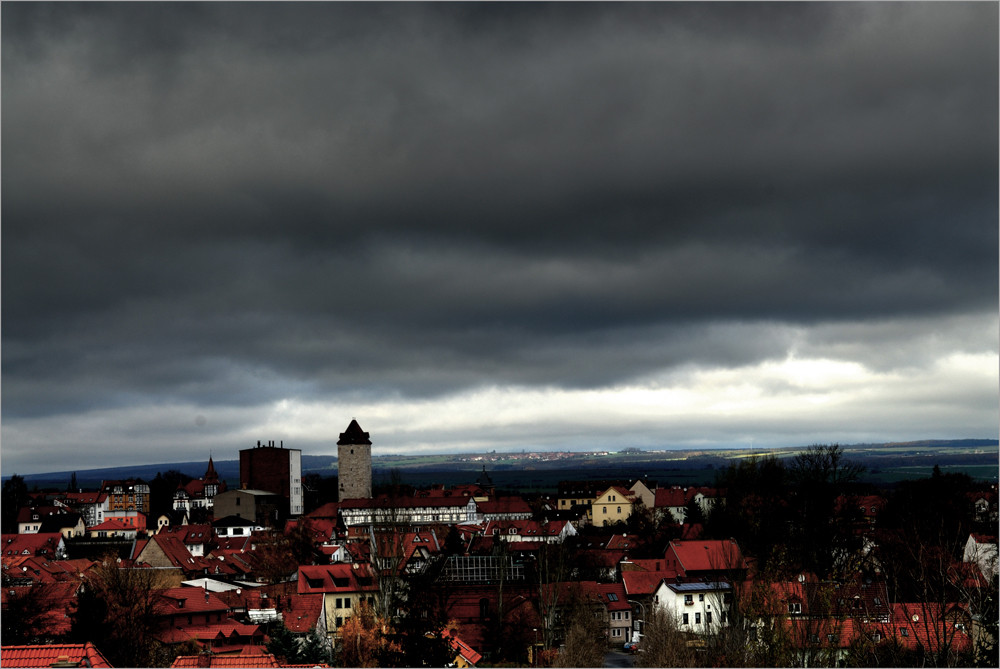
<point>210,474</point>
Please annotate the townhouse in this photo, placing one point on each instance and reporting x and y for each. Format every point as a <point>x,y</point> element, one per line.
<point>343,587</point>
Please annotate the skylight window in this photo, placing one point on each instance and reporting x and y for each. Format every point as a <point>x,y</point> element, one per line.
<point>612,597</point>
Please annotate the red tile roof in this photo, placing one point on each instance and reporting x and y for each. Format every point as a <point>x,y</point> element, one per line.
<point>984,538</point>
<point>227,631</point>
<point>185,599</point>
<point>669,497</point>
<point>75,498</point>
<point>84,654</point>
<point>384,502</point>
<point>524,528</point>
<point>241,661</point>
<point>190,534</point>
<point>624,542</point>
<point>27,514</point>
<point>462,490</point>
<point>303,612</point>
<point>504,505</point>
<point>341,577</point>
<point>715,555</point>
<point>639,583</point>
<point>31,544</point>
<point>112,525</point>
<point>611,595</point>
<point>328,510</point>
<point>926,626</point>
<point>320,530</point>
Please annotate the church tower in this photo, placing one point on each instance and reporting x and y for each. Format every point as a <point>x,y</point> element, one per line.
<point>354,463</point>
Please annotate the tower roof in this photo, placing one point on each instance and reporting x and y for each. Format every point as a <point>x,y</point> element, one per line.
<point>354,435</point>
<point>210,475</point>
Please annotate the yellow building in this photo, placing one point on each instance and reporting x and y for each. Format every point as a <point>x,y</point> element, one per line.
<point>613,505</point>
<point>584,494</point>
<point>343,586</point>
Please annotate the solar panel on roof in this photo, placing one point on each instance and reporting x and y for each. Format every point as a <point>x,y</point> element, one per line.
<point>695,587</point>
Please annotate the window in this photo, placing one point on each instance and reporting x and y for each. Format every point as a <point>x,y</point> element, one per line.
<point>684,620</point>
<point>340,603</point>
<point>697,619</point>
<point>904,631</point>
<point>617,631</point>
<point>708,618</point>
<point>605,510</point>
<point>340,621</point>
<point>612,597</point>
<point>688,600</point>
<point>701,598</point>
<point>347,602</point>
<point>795,607</point>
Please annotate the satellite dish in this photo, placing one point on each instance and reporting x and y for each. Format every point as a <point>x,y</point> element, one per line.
<point>915,617</point>
<point>239,591</point>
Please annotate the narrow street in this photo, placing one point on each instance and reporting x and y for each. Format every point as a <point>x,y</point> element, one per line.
<point>617,658</point>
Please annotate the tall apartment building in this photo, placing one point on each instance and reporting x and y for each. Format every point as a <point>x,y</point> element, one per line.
<point>128,495</point>
<point>274,469</point>
<point>354,463</point>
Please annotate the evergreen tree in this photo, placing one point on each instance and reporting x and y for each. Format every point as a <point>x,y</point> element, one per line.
<point>315,649</point>
<point>283,644</point>
<point>15,495</point>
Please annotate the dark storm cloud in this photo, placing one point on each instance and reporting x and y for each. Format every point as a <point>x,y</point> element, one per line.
<point>226,204</point>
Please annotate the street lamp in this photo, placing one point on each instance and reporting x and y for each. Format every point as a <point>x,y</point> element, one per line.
<point>638,621</point>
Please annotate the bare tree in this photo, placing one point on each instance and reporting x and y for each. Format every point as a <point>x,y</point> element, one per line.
<point>117,611</point>
<point>586,637</point>
<point>664,644</point>
<point>552,568</point>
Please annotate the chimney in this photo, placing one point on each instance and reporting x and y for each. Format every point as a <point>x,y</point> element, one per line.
<point>205,659</point>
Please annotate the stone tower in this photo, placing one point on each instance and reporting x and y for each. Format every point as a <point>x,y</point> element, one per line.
<point>354,463</point>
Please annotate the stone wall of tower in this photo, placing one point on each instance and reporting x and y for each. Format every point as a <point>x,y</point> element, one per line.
<point>354,464</point>
<point>354,471</point>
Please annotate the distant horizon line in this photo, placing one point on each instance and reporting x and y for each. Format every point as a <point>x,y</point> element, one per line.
<point>984,441</point>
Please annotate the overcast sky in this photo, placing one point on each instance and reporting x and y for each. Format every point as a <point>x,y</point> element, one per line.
<point>543,227</point>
